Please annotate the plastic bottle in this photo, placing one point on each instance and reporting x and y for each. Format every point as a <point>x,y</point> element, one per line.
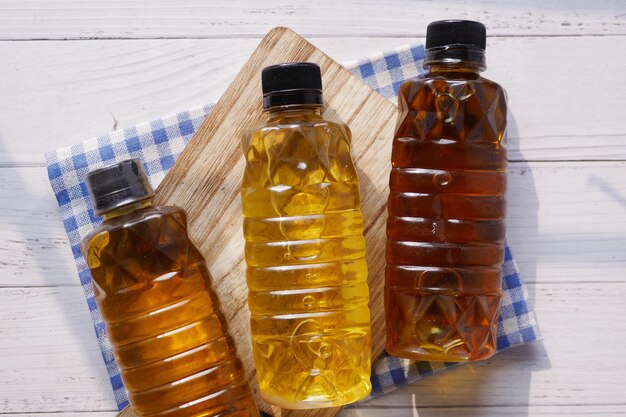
<point>154,292</point>
<point>446,205</point>
<point>305,249</point>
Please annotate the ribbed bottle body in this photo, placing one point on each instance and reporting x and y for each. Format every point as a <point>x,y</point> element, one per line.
<point>446,228</point>
<point>163,319</point>
<point>306,269</point>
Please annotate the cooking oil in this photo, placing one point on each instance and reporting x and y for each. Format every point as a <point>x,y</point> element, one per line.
<point>162,316</point>
<point>305,251</point>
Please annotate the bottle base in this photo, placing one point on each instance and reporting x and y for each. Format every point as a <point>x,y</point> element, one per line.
<point>311,402</point>
<point>420,354</point>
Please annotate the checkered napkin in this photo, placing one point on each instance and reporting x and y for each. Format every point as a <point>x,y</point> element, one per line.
<point>159,142</point>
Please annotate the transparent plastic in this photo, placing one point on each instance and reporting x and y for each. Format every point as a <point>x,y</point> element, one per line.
<point>446,210</point>
<point>306,268</point>
<point>170,339</point>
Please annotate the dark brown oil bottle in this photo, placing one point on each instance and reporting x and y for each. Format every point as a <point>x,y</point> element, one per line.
<point>446,205</point>
<point>154,292</point>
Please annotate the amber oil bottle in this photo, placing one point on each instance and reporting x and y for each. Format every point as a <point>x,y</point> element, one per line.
<point>154,292</point>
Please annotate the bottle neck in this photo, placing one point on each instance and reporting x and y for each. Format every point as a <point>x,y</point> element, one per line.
<point>455,58</point>
<point>295,97</point>
<point>294,110</point>
<point>462,68</point>
<point>124,210</point>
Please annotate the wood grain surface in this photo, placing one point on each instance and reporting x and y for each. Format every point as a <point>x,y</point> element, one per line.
<point>206,179</point>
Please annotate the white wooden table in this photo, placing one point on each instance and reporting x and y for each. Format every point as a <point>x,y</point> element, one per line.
<point>70,70</point>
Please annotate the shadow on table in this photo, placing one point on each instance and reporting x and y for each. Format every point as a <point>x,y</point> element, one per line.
<point>599,183</point>
<point>480,389</point>
<point>74,311</point>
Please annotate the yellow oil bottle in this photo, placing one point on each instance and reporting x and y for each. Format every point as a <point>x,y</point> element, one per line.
<point>306,270</point>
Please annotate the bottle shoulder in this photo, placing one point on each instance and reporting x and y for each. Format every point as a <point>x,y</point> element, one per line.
<point>431,91</point>
<point>308,138</point>
<point>138,218</point>
<point>277,125</point>
<point>433,80</point>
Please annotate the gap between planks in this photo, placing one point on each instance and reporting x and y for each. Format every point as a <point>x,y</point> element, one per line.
<point>410,37</point>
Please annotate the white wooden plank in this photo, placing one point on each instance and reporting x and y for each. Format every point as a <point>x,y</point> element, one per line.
<point>65,92</point>
<point>34,249</point>
<point>566,223</point>
<point>49,357</point>
<point>195,18</point>
<point>557,98</point>
<point>498,411</point>
<point>49,361</point>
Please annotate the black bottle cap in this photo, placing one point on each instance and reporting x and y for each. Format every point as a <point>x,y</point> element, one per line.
<point>456,41</point>
<point>294,83</point>
<point>456,32</point>
<point>118,185</point>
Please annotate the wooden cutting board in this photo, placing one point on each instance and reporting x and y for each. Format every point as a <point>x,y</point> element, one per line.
<point>206,178</point>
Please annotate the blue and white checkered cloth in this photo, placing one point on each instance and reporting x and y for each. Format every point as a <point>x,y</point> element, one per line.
<point>159,142</point>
